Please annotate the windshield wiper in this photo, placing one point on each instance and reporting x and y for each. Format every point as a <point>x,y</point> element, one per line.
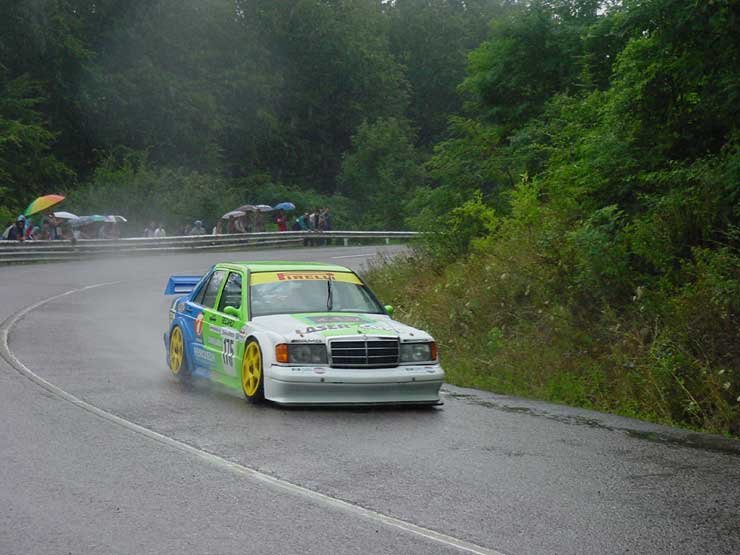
<point>329,302</point>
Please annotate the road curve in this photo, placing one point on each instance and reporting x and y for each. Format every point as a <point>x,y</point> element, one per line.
<point>484,473</point>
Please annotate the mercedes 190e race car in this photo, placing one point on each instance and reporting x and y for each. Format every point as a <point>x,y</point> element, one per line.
<point>297,333</point>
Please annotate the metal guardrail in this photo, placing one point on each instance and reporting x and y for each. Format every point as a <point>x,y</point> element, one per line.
<point>20,252</point>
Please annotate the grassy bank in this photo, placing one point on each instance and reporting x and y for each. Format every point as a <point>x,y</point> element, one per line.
<point>509,321</point>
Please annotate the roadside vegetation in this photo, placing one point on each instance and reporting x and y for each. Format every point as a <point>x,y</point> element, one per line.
<point>585,246</point>
<point>575,162</point>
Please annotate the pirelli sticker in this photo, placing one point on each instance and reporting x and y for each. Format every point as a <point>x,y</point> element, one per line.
<point>272,277</point>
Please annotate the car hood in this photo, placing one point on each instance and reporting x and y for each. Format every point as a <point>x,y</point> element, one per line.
<point>319,326</point>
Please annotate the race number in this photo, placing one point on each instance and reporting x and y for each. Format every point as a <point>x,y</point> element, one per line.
<point>227,353</point>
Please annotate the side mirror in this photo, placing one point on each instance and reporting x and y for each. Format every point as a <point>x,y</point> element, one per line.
<point>389,309</point>
<point>231,311</point>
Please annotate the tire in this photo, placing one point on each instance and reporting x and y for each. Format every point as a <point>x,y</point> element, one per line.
<point>176,357</point>
<point>253,376</point>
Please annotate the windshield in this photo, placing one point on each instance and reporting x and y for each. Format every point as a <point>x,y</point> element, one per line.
<point>298,292</point>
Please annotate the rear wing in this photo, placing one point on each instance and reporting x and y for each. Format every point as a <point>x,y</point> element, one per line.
<point>181,284</point>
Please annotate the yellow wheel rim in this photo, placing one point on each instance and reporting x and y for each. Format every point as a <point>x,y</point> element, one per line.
<point>176,350</point>
<point>251,369</point>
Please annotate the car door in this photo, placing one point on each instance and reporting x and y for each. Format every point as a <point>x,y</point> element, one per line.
<point>208,322</point>
<point>229,315</point>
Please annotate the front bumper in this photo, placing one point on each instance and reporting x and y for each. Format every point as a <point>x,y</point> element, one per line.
<point>337,386</point>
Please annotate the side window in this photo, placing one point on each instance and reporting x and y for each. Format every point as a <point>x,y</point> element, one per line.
<point>210,291</point>
<point>232,295</point>
<point>201,287</point>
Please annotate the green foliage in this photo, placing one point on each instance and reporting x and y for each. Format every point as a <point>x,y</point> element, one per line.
<point>432,39</point>
<point>529,56</point>
<point>461,226</point>
<point>608,145</point>
<point>380,173</point>
<point>27,164</point>
<point>129,185</point>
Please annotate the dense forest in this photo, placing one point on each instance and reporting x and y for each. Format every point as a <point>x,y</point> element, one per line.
<point>576,162</point>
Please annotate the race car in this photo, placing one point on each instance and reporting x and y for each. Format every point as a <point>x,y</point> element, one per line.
<point>297,334</point>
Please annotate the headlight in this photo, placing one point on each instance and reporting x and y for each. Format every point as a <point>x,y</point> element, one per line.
<point>418,352</point>
<point>301,353</point>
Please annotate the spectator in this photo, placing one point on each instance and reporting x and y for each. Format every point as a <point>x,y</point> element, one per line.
<point>281,221</point>
<point>160,231</point>
<point>44,233</point>
<point>150,229</point>
<point>198,228</point>
<point>108,231</point>
<point>259,222</point>
<point>242,224</point>
<point>18,231</point>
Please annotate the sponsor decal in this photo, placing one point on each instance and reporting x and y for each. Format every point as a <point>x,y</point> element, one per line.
<point>284,276</point>
<point>367,327</point>
<point>259,278</point>
<point>203,357</point>
<point>317,329</point>
<point>375,326</point>
<point>225,332</point>
<point>199,325</point>
<point>336,319</point>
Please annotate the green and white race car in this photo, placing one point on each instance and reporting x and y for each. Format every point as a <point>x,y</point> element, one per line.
<point>297,333</point>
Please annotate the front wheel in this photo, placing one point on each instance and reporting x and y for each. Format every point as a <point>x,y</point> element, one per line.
<point>253,382</point>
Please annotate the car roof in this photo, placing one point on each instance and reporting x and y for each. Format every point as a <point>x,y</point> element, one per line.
<point>281,266</point>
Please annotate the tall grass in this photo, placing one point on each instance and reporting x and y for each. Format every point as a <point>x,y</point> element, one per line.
<point>509,318</point>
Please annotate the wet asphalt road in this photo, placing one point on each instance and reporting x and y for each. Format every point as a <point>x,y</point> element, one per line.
<point>507,474</point>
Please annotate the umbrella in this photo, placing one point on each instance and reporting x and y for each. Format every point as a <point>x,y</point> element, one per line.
<point>64,215</point>
<point>6,233</point>
<point>247,208</point>
<point>233,214</point>
<point>263,208</point>
<point>42,203</point>
<point>115,218</point>
<point>84,220</point>
<point>284,206</point>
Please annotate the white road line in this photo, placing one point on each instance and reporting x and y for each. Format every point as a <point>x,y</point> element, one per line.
<point>236,468</point>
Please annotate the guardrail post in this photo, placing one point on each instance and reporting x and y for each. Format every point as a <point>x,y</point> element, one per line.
<point>387,240</point>
<point>346,242</point>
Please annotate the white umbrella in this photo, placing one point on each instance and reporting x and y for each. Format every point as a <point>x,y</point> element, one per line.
<point>64,215</point>
<point>115,218</point>
<point>264,208</point>
<point>233,214</point>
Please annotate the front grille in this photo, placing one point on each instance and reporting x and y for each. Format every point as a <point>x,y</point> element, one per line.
<point>364,353</point>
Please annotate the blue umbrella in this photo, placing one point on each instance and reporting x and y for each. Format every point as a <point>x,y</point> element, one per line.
<point>284,206</point>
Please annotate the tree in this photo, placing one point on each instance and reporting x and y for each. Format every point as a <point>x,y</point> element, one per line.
<point>432,39</point>
<point>337,71</point>
<point>27,165</point>
<point>381,172</point>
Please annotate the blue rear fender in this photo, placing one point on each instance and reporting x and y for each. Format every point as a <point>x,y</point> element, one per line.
<point>187,326</point>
